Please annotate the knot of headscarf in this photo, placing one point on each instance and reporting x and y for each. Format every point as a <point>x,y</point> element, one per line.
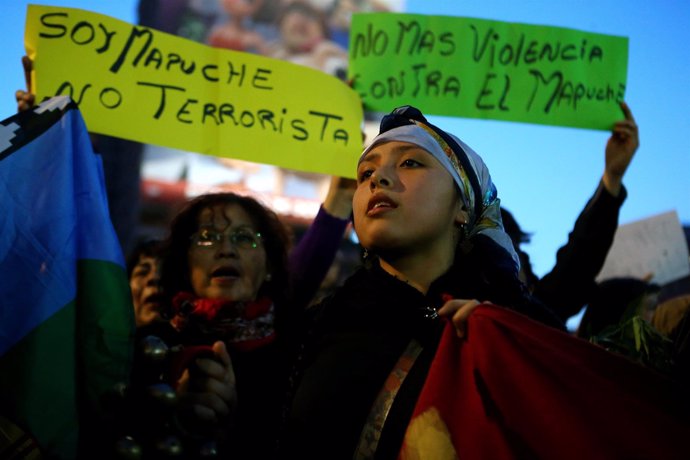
<point>471,175</point>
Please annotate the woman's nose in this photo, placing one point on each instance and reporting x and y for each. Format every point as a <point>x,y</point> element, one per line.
<point>226,248</point>
<point>154,277</point>
<point>379,178</point>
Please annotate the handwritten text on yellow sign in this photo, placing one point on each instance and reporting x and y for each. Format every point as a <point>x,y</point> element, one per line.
<point>141,84</point>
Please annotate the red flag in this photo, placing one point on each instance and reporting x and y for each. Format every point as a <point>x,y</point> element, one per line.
<point>514,388</point>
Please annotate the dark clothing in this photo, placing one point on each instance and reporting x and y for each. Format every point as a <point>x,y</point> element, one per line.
<point>357,337</point>
<point>681,350</point>
<point>260,376</point>
<point>617,300</point>
<point>121,169</point>
<point>571,283</point>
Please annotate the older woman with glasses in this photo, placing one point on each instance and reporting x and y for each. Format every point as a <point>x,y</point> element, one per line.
<point>228,283</point>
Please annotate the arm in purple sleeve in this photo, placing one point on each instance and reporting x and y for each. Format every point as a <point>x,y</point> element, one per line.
<point>310,259</point>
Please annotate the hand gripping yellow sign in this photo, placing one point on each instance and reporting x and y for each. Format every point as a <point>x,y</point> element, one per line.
<point>141,84</point>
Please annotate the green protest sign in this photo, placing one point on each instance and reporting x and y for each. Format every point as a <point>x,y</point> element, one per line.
<point>488,69</point>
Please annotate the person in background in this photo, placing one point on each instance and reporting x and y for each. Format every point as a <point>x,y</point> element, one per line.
<point>237,33</point>
<point>227,300</point>
<point>617,300</point>
<point>571,282</point>
<point>305,40</point>
<point>618,317</point>
<point>680,335</point>
<point>143,272</point>
<point>669,314</point>
<point>232,300</point>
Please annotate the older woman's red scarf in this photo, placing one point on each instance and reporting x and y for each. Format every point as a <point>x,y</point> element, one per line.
<point>243,326</point>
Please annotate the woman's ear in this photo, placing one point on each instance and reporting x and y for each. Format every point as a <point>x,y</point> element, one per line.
<point>269,272</point>
<point>462,217</point>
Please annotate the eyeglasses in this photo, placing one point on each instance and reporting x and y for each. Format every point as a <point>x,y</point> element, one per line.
<point>242,238</point>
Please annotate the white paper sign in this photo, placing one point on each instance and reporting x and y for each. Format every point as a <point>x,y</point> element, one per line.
<point>655,245</point>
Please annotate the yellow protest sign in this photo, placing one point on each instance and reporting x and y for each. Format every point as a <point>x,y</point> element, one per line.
<point>141,84</point>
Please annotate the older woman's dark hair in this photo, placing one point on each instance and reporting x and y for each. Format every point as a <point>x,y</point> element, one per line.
<point>175,268</point>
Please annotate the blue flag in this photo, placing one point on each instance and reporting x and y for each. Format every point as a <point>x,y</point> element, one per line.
<point>66,319</point>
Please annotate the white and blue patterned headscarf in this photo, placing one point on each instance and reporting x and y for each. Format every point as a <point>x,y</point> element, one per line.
<point>477,191</point>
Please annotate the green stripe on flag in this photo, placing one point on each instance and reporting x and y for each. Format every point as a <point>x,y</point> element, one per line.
<point>39,376</point>
<point>57,374</point>
<point>106,326</point>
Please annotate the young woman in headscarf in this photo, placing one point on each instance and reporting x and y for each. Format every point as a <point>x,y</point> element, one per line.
<point>427,214</point>
<point>382,373</point>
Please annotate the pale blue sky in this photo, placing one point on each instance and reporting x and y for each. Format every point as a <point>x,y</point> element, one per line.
<point>544,174</point>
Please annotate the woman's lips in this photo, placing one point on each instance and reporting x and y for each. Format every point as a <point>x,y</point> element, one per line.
<point>380,204</point>
<point>223,280</point>
<point>225,275</point>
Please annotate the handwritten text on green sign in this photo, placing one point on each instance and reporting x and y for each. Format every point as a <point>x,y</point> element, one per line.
<point>488,69</point>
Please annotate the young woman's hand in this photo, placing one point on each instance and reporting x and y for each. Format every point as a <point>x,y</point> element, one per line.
<point>458,310</point>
